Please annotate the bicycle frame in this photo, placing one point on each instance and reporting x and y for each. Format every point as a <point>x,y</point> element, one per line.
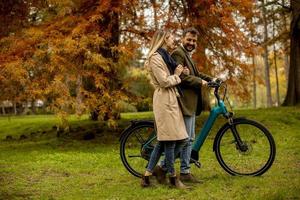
<point>214,113</point>
<point>219,109</point>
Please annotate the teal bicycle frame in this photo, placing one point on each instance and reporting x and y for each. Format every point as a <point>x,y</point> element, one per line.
<point>214,113</point>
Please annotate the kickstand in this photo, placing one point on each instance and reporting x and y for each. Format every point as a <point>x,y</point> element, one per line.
<point>196,162</point>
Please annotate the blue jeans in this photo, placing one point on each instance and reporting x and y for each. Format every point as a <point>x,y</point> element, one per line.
<point>171,148</point>
<point>185,154</point>
<point>155,156</point>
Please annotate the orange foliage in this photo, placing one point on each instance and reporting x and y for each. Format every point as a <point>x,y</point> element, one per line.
<point>52,60</point>
<point>75,57</point>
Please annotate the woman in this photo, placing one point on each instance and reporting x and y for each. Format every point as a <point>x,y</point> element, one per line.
<point>171,131</point>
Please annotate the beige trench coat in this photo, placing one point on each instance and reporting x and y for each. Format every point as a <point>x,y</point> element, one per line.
<point>168,116</point>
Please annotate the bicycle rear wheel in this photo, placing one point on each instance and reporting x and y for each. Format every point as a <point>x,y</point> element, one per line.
<point>136,147</point>
<point>256,154</point>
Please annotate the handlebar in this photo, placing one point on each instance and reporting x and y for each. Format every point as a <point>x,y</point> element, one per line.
<point>216,85</point>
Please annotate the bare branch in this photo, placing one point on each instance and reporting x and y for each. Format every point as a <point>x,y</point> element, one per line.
<point>276,2</point>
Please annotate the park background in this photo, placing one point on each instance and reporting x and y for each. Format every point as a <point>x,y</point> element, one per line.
<point>72,77</point>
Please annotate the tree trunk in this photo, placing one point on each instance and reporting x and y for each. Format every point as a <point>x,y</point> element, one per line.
<point>78,95</point>
<point>33,108</point>
<point>254,82</point>
<point>3,109</point>
<point>267,77</point>
<point>109,25</point>
<point>15,108</point>
<point>275,63</point>
<point>276,76</point>
<point>154,5</point>
<point>286,68</point>
<point>293,91</point>
<point>286,56</point>
<point>265,56</point>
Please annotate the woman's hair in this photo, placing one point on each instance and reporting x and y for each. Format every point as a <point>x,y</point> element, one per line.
<point>156,42</point>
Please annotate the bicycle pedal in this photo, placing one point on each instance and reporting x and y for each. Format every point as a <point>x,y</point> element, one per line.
<point>198,164</point>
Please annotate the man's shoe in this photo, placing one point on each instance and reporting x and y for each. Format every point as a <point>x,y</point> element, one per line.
<point>175,182</point>
<point>160,174</point>
<point>189,178</point>
<point>145,182</point>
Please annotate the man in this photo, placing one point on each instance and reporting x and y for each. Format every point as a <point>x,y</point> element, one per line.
<point>190,101</point>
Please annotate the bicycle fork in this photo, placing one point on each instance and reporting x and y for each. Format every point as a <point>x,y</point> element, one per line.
<point>240,145</point>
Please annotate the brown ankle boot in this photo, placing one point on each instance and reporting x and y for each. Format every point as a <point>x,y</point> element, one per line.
<point>175,182</point>
<point>189,178</point>
<point>160,175</point>
<point>145,182</point>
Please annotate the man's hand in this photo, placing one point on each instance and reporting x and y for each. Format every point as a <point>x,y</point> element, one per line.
<point>186,71</point>
<point>217,80</point>
<point>204,82</point>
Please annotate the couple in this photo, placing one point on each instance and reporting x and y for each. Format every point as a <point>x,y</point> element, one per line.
<point>176,101</point>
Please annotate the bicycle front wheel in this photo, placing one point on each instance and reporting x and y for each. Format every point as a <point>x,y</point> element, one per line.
<point>136,147</point>
<point>253,156</point>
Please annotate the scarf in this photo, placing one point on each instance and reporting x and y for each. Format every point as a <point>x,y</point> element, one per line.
<point>171,64</point>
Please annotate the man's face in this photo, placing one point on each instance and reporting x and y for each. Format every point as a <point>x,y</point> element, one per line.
<point>189,41</point>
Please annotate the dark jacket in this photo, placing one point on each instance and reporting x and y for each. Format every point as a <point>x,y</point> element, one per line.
<point>191,101</point>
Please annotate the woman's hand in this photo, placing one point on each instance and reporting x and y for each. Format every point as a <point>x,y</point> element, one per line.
<point>186,71</point>
<point>178,70</point>
<point>218,80</point>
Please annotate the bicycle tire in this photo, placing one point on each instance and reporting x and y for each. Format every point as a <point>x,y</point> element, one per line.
<point>128,144</point>
<point>259,141</point>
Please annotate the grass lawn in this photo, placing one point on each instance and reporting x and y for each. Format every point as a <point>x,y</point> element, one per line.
<point>43,166</point>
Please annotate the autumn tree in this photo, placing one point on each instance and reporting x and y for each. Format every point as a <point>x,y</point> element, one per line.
<point>72,58</point>
<point>293,92</point>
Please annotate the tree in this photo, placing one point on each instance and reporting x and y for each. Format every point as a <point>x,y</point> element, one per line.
<point>223,40</point>
<point>57,56</point>
<point>293,92</point>
<point>285,39</point>
<point>265,55</point>
<point>275,60</point>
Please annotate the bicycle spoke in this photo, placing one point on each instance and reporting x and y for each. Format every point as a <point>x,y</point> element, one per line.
<point>252,155</point>
<point>136,148</point>
<point>139,138</point>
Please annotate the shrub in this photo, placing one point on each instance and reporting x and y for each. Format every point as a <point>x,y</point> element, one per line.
<point>126,107</point>
<point>144,104</point>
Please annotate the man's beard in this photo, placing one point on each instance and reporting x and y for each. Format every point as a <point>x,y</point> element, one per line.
<point>189,48</point>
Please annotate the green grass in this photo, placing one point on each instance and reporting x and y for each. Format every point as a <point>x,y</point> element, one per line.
<point>64,168</point>
<point>139,115</point>
<point>27,124</point>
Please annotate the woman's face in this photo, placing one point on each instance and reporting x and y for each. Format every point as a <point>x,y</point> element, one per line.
<point>170,41</point>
